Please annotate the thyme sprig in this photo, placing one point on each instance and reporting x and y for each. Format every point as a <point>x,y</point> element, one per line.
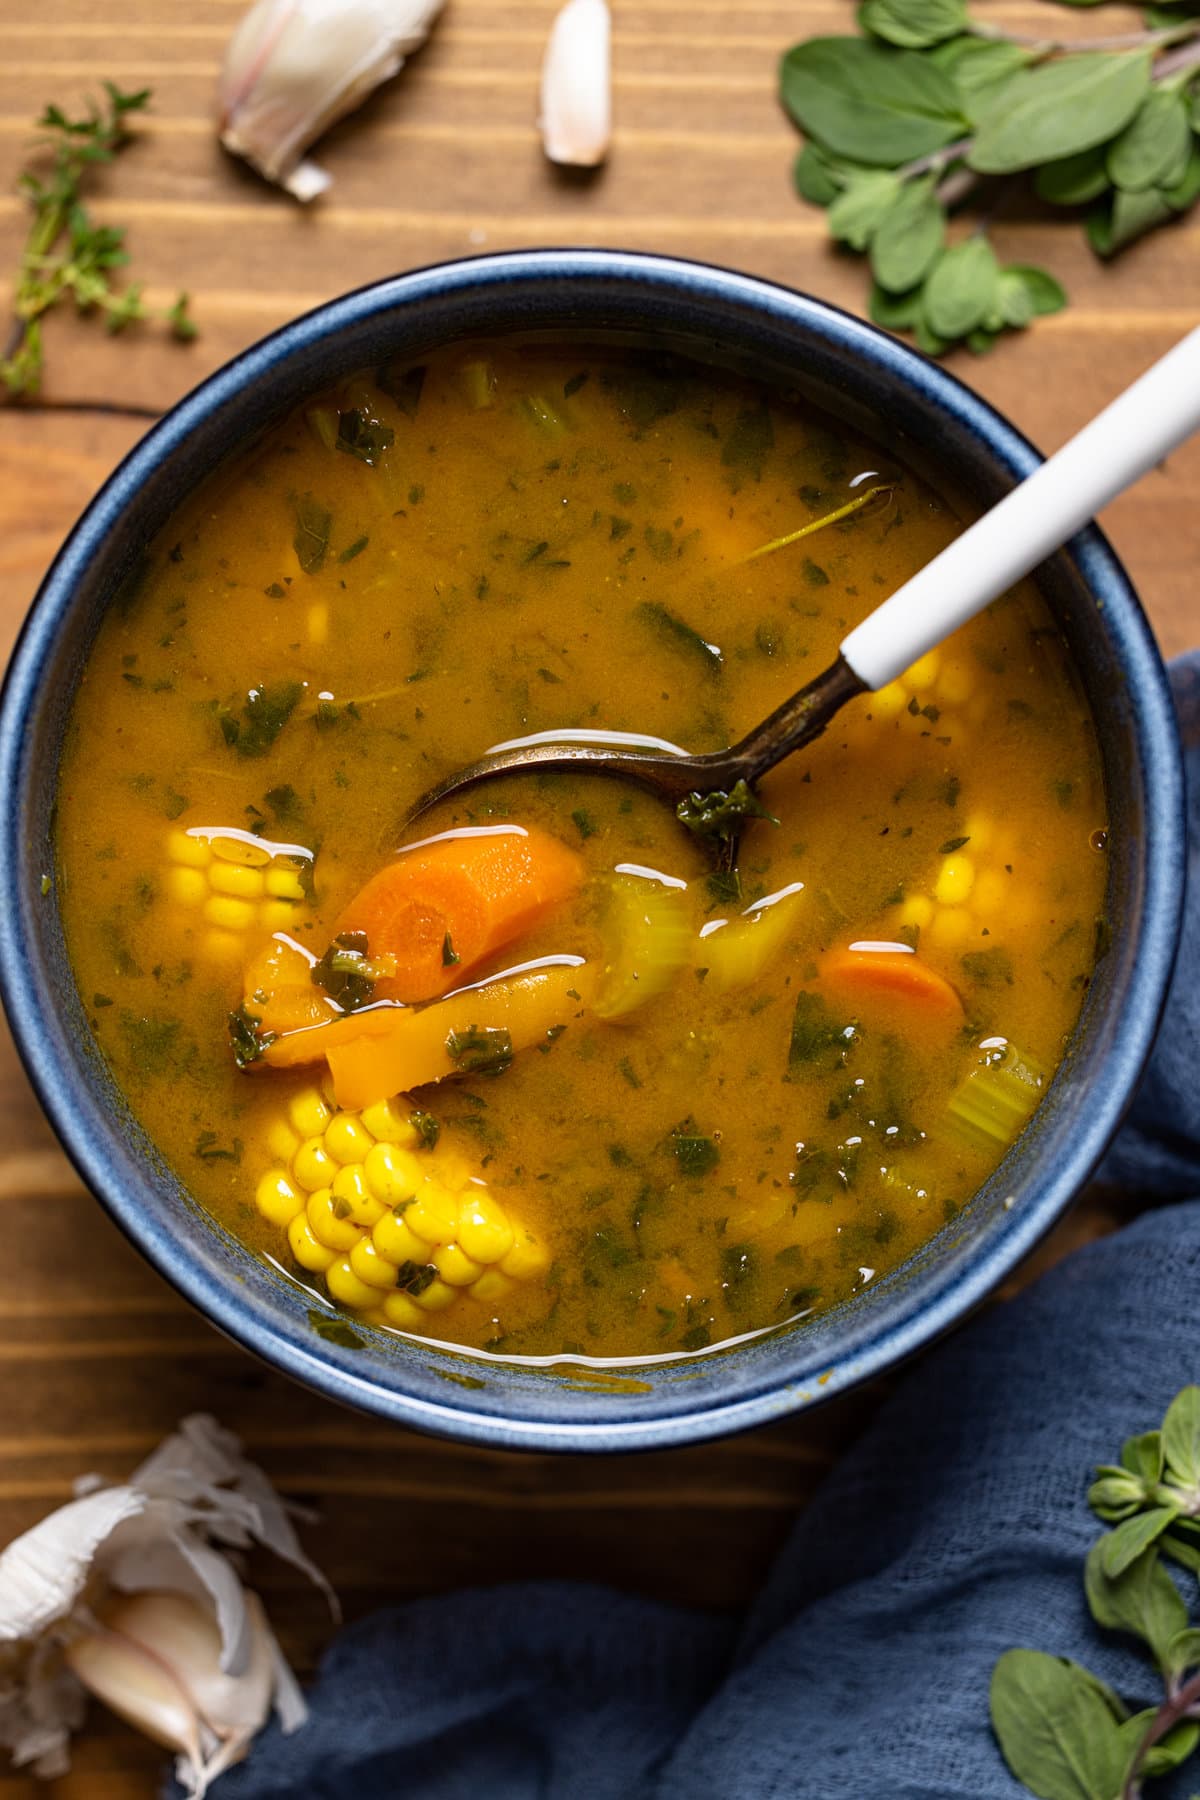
<point>67,256</point>
<point>930,109</point>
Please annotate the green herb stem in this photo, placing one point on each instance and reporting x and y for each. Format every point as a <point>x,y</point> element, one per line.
<point>1122,40</point>
<point>1181,1704</point>
<point>833,518</point>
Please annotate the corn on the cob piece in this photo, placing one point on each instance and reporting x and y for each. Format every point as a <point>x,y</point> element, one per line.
<point>397,1231</point>
<point>236,883</point>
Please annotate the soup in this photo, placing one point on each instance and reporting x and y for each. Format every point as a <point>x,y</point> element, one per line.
<point>547,1078</point>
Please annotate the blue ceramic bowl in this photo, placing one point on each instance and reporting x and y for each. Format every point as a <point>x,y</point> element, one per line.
<point>852,371</point>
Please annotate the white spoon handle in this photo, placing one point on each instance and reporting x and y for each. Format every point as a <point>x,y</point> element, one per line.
<point>1121,443</point>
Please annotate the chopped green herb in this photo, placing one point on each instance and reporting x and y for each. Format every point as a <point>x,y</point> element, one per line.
<point>402,385</point>
<point>698,1338</point>
<point>725,886</point>
<point>951,845</point>
<point>739,1267</point>
<point>244,1037</point>
<point>990,968</point>
<point>285,804</point>
<point>696,1154</point>
<point>583,823</point>
<point>749,441</point>
<point>311,539</point>
<point>346,973</point>
<point>414,1277</point>
<point>174,804</point>
<point>265,711</point>
<point>678,634</point>
<point>99,1000</point>
<point>426,1128</point>
<point>629,1073</point>
<point>209,1149</point>
<point>719,814</point>
<point>814,1032</point>
<point>275,592</point>
<point>363,437</point>
<point>353,550</point>
<point>573,385</point>
<point>480,1050</point>
<point>449,954</point>
<point>332,1330</point>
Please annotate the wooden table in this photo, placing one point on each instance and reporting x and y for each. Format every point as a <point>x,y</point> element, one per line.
<point>101,1357</point>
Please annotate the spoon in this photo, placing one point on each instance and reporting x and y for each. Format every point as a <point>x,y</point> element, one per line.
<point>712,794</point>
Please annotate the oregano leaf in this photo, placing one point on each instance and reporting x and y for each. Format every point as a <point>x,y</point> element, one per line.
<point>868,102</point>
<point>1074,180</point>
<point>1059,108</point>
<point>1181,1437</point>
<point>813,176</point>
<point>1056,1731</point>
<point>1154,148</point>
<point>1123,1546</point>
<point>895,312</point>
<point>909,237</point>
<point>960,289</point>
<point>976,67</point>
<point>1142,1600</point>
<point>1144,1456</point>
<point>1115,1494</point>
<point>860,207</point>
<point>1045,294</point>
<point>1185,193</point>
<point>1118,221</point>
<point>1183,1651</point>
<point>1171,1751</point>
<point>913,24</point>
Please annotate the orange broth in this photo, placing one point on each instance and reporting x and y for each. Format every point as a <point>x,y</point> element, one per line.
<point>512,539</point>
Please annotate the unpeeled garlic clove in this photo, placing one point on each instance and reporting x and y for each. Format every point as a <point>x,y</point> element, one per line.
<point>294,66</point>
<point>576,120</point>
<point>155,1660</point>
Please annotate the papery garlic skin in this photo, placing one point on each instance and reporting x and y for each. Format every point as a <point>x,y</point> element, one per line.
<point>576,120</point>
<point>129,1592</point>
<point>294,66</point>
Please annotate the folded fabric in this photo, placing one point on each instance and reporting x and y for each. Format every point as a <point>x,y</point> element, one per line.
<point>955,1530</point>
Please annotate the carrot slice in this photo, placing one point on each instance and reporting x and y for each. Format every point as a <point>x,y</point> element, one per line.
<point>442,909</point>
<point>897,987</point>
<point>388,1050</point>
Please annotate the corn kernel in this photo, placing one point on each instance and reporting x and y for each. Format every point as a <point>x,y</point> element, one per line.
<point>224,946</point>
<point>376,1270</point>
<point>916,910</point>
<point>949,927</point>
<point>956,683</point>
<point>276,915</point>
<point>276,1198</point>
<point>330,1221</point>
<point>393,1239</point>
<point>373,1315</point>
<point>347,1287</point>
<point>187,887</point>
<point>191,852</point>
<point>402,1312</point>
<point>491,1286</point>
<point>392,1174</point>
<point>924,672</point>
<point>283,883</point>
<point>307,1250</point>
<point>483,1231</point>
<point>318,622</point>
<point>308,1113</point>
<point>312,1166</point>
<point>990,895</point>
<point>434,1213</point>
<point>239,850</point>
<point>282,1140</point>
<point>454,1267</point>
<point>956,877</point>
<point>528,1257</point>
<point>436,1297</point>
<point>453,1171</point>
<point>388,1121</point>
<point>348,1186</point>
<point>346,1139</point>
<point>890,701</point>
<point>229,914</point>
<point>236,879</point>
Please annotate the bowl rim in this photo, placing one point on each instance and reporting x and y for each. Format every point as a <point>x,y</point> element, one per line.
<point>329,1368</point>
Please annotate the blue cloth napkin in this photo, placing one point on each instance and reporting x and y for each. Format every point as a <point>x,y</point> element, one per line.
<point>954,1531</point>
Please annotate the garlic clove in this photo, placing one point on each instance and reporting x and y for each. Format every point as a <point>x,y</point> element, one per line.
<point>576,120</point>
<point>138,1687</point>
<point>295,66</point>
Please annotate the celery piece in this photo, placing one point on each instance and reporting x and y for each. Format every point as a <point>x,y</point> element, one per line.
<point>477,379</point>
<point>738,953</point>
<point>995,1102</point>
<point>545,414</point>
<point>323,422</point>
<point>646,940</point>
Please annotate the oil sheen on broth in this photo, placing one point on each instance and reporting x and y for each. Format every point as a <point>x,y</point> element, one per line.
<point>505,540</point>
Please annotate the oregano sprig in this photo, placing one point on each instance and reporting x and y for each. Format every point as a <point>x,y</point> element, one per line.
<point>67,256</point>
<point>930,110</point>
<point>1064,1733</point>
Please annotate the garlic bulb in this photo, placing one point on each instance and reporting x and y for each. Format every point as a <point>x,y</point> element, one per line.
<point>294,66</point>
<point>576,118</point>
<point>128,1593</point>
